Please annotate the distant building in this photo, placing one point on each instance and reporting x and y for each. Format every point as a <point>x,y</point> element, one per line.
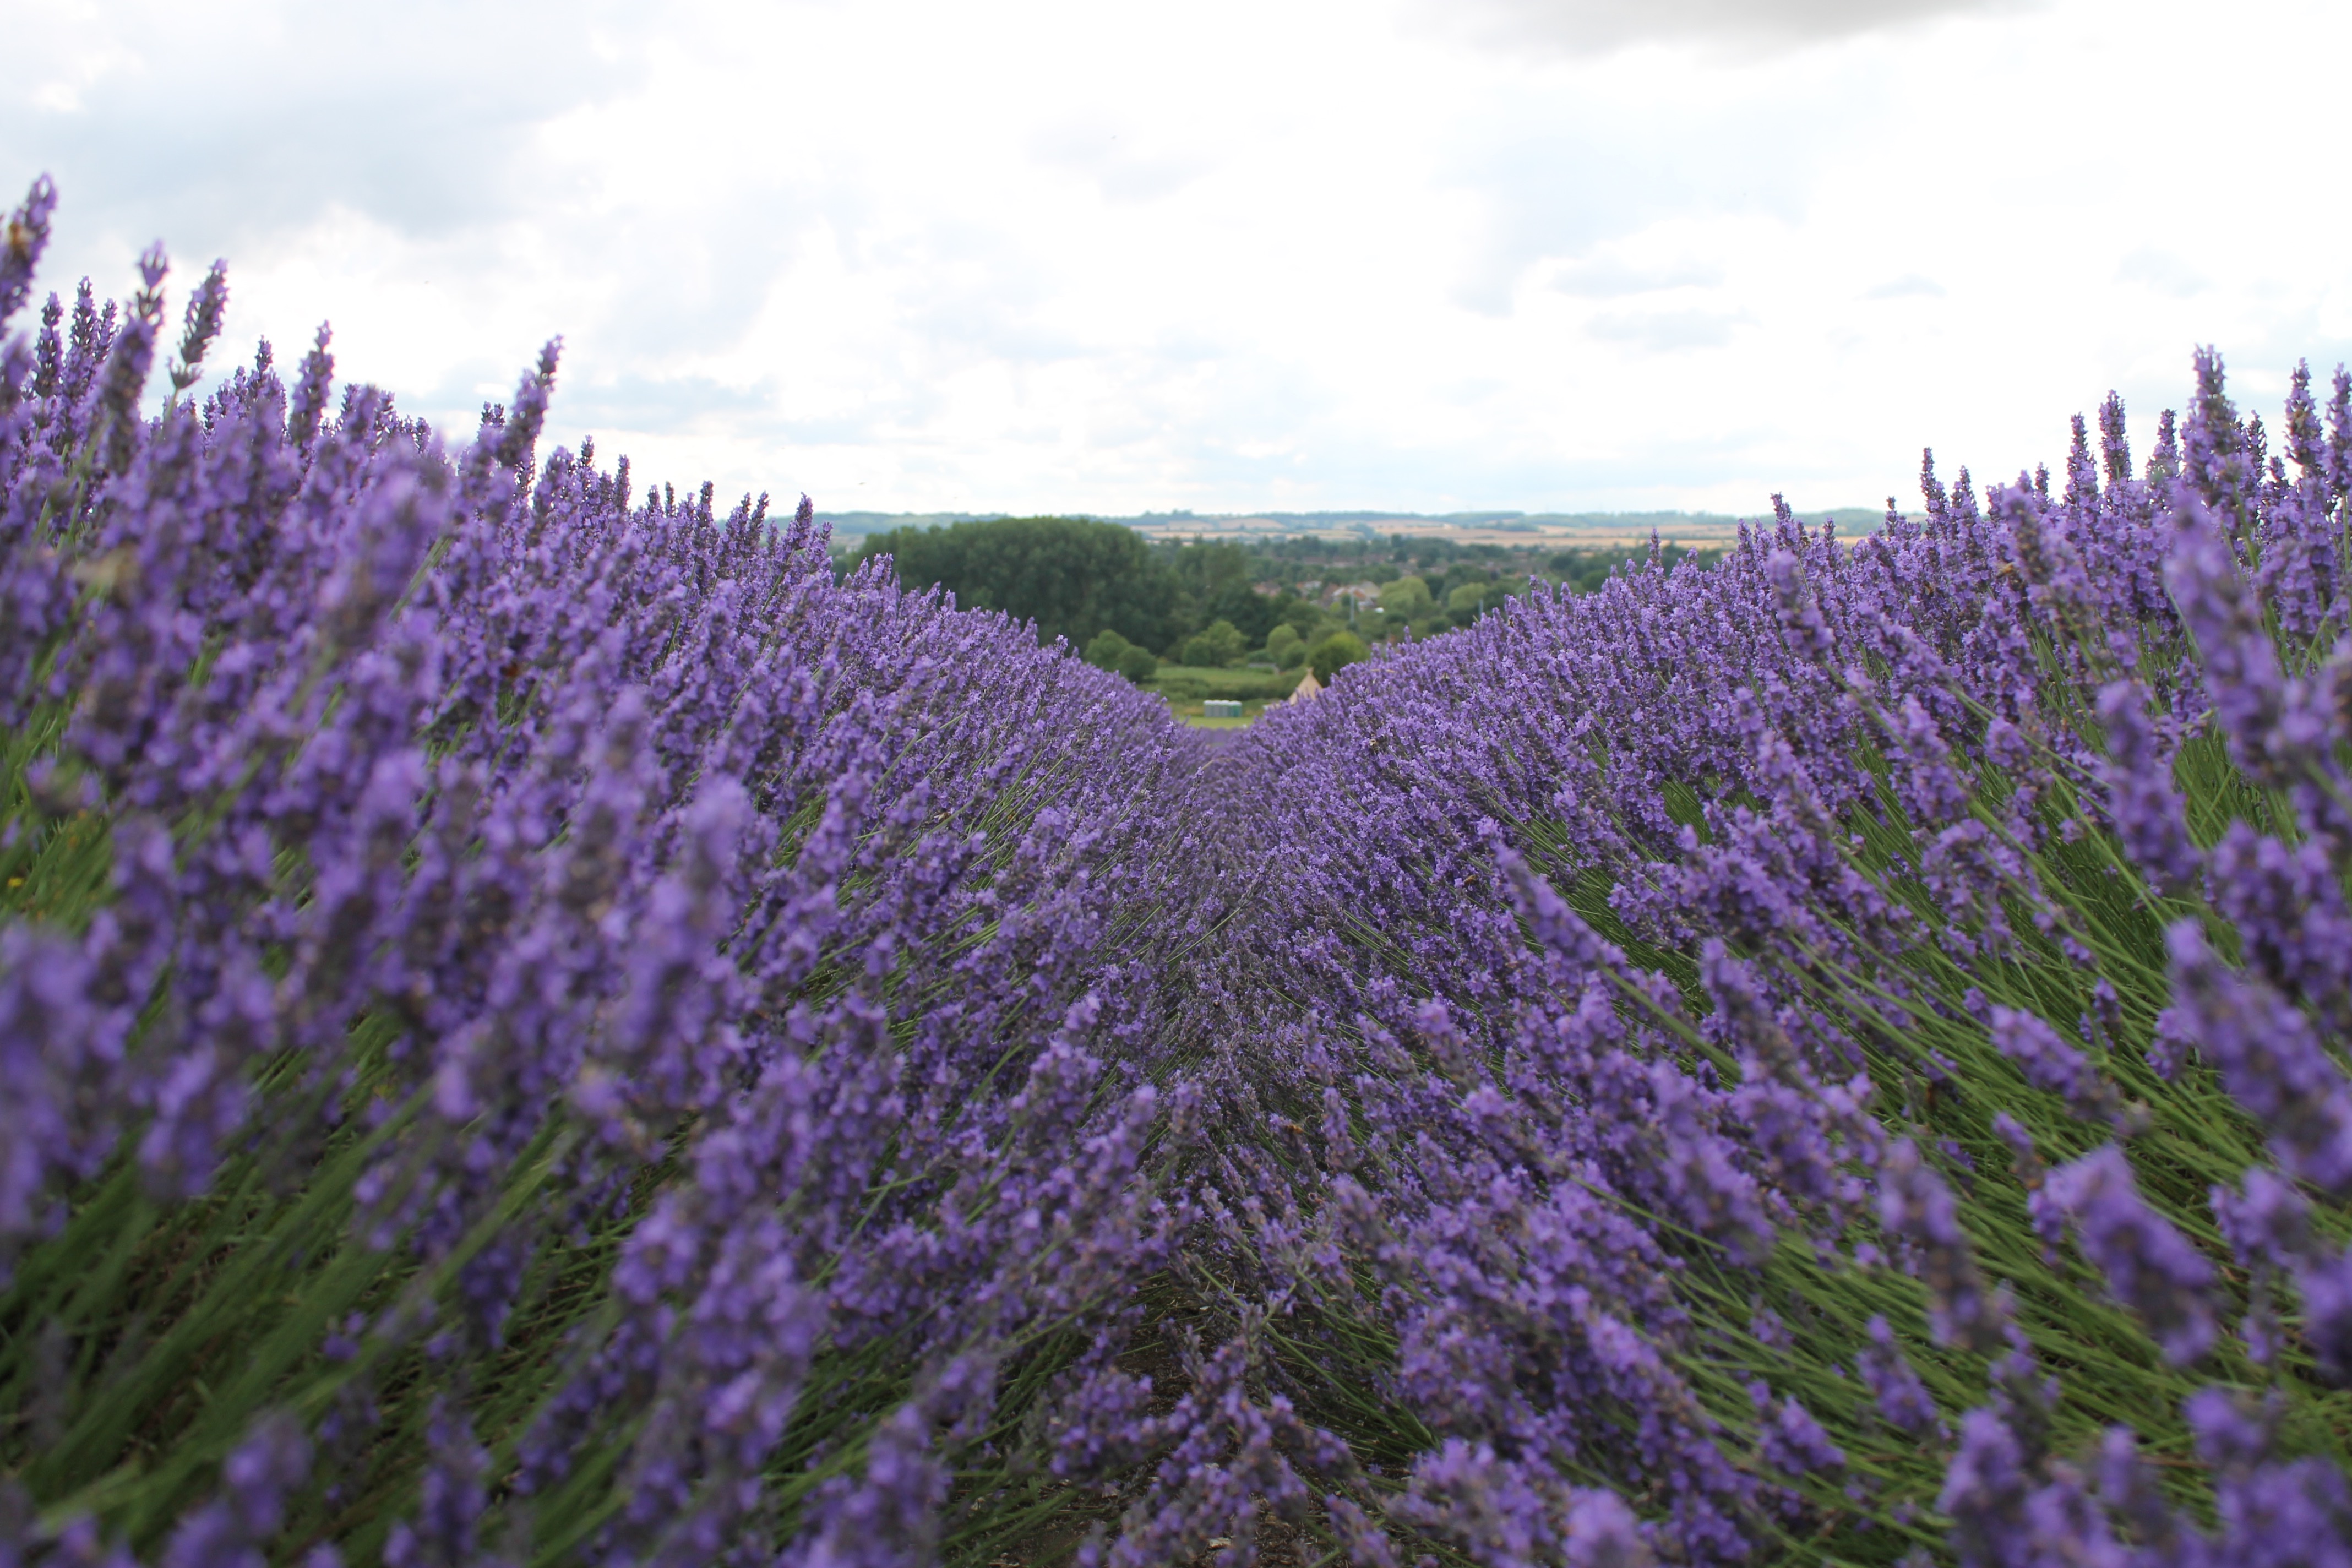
<point>1307,687</point>
<point>1221,708</point>
<point>1366,596</point>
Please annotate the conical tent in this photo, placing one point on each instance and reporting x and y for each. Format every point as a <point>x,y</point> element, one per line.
<point>1307,687</point>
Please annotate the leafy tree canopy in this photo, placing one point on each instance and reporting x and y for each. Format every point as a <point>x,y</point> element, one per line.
<point>1075,578</point>
<point>1286,646</point>
<point>1407,596</point>
<point>1335,652</point>
<point>1216,647</point>
<point>1108,650</point>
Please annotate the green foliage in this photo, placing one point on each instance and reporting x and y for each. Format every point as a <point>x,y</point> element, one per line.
<point>1335,652</point>
<point>1106,649</point>
<point>1111,651</point>
<point>1078,579</point>
<point>1213,583</point>
<point>1189,683</point>
<point>1407,597</point>
<point>1471,600</point>
<point>1221,644</point>
<point>1308,620</point>
<point>1286,646</point>
<point>1074,577</point>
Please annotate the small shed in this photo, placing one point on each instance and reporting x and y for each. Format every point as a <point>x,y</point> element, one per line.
<point>1219,708</point>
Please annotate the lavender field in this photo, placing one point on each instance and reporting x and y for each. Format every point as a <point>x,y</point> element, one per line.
<point>539,1026</point>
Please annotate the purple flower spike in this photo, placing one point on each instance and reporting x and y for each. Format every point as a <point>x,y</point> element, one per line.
<point>2241,665</point>
<point>2326,1285</point>
<point>273,1460</point>
<point>1793,1441</point>
<point>25,236</point>
<point>1802,622</point>
<point>2150,1266</point>
<point>1602,1533</point>
<point>1916,1205</point>
<point>2288,908</point>
<point>2049,1063</point>
<point>2267,1224</point>
<point>2147,812</point>
<point>1903,1400</point>
<point>2269,1058</point>
<point>206,308</point>
<point>1985,1493</point>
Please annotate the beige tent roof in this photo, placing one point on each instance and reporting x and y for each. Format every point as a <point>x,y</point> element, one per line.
<point>1307,687</point>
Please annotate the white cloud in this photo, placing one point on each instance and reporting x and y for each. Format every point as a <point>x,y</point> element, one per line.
<point>2154,268</point>
<point>1910,286</point>
<point>1729,28</point>
<point>1050,253</point>
<point>1606,277</point>
<point>1662,331</point>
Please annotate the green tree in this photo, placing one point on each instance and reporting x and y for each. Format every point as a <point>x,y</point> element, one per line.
<point>1111,651</point>
<point>1303,618</point>
<point>1335,652</point>
<point>1213,583</point>
<point>1408,598</point>
<point>1107,649</point>
<point>1286,646</point>
<point>1073,576</point>
<point>1471,600</point>
<point>1221,644</point>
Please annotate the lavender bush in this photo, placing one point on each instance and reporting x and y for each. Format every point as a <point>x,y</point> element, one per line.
<point>1844,1051</point>
<point>536,1026</point>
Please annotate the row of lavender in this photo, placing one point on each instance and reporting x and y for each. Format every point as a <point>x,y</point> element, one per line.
<point>537,1025</point>
<point>1836,1056</point>
<point>533,1024</point>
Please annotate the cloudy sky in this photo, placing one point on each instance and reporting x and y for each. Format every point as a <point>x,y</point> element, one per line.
<point>1093,254</point>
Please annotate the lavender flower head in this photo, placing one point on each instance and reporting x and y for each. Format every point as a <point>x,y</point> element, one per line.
<point>2269,1058</point>
<point>25,236</point>
<point>1902,1399</point>
<point>2147,810</point>
<point>1915,1204</point>
<point>2150,1266</point>
<point>2049,1063</point>
<point>2266,1223</point>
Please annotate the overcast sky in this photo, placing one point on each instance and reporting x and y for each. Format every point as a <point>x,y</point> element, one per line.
<point>1080,255</point>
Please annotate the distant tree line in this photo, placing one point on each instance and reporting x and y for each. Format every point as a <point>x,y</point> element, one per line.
<point>1129,605</point>
<point>1078,579</point>
<point>1073,577</point>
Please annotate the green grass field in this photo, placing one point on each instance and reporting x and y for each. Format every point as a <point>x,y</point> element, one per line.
<point>1184,686</point>
<point>1190,713</point>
